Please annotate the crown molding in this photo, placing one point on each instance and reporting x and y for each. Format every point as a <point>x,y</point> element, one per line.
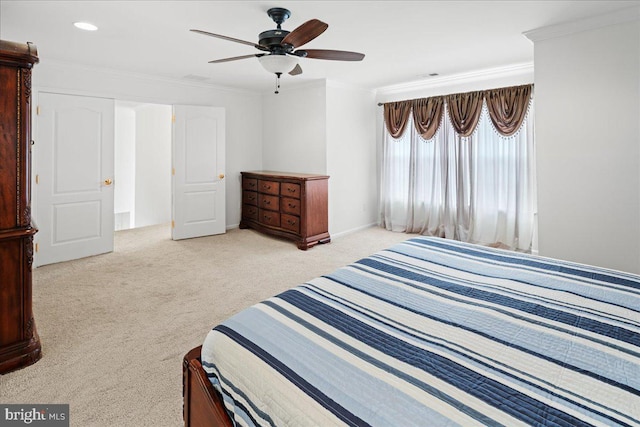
<point>567,28</point>
<point>523,69</point>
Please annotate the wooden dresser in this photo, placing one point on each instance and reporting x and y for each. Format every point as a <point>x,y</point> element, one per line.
<point>290,205</point>
<point>19,342</point>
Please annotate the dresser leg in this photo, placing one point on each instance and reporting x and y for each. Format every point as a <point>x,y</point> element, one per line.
<point>304,245</point>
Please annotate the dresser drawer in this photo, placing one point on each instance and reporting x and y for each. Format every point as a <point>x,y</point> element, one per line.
<point>291,223</point>
<point>269,187</point>
<point>250,212</point>
<point>250,198</point>
<point>269,217</point>
<point>250,184</point>
<point>290,190</point>
<point>269,202</point>
<point>290,206</point>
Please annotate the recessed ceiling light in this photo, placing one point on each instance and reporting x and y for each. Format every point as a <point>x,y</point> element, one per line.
<point>85,26</point>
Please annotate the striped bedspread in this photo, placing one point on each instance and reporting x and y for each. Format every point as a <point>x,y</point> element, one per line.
<point>433,332</point>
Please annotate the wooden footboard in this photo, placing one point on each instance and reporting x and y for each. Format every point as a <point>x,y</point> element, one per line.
<point>202,404</point>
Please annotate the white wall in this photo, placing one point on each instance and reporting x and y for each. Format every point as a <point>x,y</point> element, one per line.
<point>294,130</point>
<point>153,165</point>
<point>587,89</point>
<point>124,164</point>
<point>243,110</point>
<point>351,157</point>
<point>326,128</point>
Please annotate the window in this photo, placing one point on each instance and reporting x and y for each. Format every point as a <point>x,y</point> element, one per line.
<point>478,188</point>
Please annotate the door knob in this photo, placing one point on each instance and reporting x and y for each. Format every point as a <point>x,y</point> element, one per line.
<point>221,176</point>
<point>108,181</point>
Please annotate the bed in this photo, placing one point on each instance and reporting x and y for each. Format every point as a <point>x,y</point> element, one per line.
<point>429,332</point>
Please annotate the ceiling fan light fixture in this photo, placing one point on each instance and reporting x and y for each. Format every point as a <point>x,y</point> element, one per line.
<point>278,64</point>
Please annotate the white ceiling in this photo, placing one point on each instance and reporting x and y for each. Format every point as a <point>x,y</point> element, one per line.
<point>403,40</point>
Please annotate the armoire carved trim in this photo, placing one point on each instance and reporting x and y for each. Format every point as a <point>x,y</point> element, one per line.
<point>19,340</point>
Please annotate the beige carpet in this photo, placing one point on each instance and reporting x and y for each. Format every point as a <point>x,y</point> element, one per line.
<point>114,328</point>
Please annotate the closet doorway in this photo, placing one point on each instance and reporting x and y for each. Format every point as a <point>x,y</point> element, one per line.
<point>142,163</point>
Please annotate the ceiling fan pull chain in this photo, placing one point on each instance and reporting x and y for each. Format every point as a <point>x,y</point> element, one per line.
<point>278,82</point>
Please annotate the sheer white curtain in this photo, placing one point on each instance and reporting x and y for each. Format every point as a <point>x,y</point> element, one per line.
<point>479,189</point>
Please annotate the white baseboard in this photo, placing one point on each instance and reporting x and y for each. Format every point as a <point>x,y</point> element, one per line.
<point>353,230</point>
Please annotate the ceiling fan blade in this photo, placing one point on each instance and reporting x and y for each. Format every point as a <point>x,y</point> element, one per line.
<point>334,55</point>
<point>231,39</point>
<point>235,58</point>
<point>305,33</point>
<point>296,70</point>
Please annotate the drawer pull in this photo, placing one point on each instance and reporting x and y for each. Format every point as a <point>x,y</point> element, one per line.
<point>266,187</point>
<point>266,202</point>
<point>291,190</point>
<point>267,217</point>
<point>292,206</point>
<point>290,222</point>
<point>251,197</point>
<point>252,184</point>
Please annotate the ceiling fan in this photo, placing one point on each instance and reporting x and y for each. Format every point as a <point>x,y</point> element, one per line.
<point>280,46</point>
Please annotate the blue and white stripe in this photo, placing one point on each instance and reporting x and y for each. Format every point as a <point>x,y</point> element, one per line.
<point>440,333</point>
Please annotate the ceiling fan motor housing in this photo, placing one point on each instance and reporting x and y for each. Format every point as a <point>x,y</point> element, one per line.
<point>271,38</point>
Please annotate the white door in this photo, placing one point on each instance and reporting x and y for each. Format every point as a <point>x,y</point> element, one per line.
<point>74,177</point>
<point>198,172</point>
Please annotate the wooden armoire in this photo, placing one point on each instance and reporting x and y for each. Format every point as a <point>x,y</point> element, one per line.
<point>19,341</point>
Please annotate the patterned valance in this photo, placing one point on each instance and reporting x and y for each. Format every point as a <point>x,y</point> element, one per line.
<point>427,113</point>
<point>507,109</point>
<point>464,111</point>
<point>396,116</point>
